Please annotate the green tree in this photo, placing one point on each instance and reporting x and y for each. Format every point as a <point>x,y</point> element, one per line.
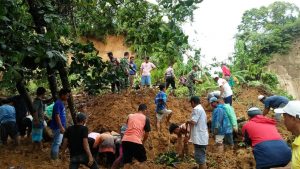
<point>262,32</point>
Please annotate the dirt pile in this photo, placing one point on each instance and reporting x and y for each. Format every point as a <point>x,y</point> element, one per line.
<point>287,69</point>
<point>111,110</point>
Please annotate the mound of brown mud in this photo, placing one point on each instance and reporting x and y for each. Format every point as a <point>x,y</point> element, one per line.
<point>111,110</point>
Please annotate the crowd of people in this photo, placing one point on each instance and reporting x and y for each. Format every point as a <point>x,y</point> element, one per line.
<point>114,149</point>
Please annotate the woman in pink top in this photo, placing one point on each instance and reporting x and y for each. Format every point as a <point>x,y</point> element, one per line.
<point>269,149</point>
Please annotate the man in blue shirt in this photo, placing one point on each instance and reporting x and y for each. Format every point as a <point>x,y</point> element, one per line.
<point>220,126</point>
<point>132,71</point>
<point>8,126</point>
<point>161,106</point>
<point>273,102</point>
<point>58,122</point>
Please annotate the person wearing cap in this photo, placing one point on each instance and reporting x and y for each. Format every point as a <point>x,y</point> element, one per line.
<point>161,107</point>
<point>181,131</point>
<point>192,80</point>
<point>273,102</point>
<point>231,115</point>
<point>199,131</point>
<point>58,122</point>
<point>138,128</point>
<point>291,114</point>
<point>269,149</point>
<point>220,124</point>
<point>145,71</point>
<point>76,139</point>
<point>226,91</point>
<point>213,94</point>
<point>114,72</point>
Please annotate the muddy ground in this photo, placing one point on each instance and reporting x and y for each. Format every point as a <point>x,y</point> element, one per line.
<point>111,110</point>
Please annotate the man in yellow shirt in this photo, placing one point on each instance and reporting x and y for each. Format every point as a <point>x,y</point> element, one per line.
<point>291,113</point>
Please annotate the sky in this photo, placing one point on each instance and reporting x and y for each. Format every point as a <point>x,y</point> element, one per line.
<point>215,24</point>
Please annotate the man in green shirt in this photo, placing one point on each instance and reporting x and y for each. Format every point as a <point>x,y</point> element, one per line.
<point>191,80</point>
<point>125,70</point>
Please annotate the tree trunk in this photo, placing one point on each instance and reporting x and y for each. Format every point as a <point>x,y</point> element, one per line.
<point>37,15</point>
<point>66,85</point>
<point>52,82</point>
<point>23,92</point>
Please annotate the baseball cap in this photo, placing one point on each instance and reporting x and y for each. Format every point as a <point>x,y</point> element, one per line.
<point>213,99</point>
<point>253,111</point>
<point>260,97</point>
<point>80,117</point>
<point>214,76</point>
<point>292,108</point>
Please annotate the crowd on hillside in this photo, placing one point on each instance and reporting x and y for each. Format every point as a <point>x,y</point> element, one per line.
<point>114,149</point>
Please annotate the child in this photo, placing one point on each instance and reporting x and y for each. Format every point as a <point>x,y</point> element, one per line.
<point>38,119</point>
<point>161,106</point>
<point>181,131</point>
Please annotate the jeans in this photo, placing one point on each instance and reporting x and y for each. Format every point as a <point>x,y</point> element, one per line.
<point>228,139</point>
<point>57,139</point>
<point>75,162</point>
<point>200,153</point>
<point>228,100</point>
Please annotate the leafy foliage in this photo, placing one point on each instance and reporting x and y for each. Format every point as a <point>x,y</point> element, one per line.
<point>168,158</point>
<point>263,32</point>
<point>88,69</point>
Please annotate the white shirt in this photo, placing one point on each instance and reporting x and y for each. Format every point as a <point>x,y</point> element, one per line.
<point>227,88</point>
<point>147,67</point>
<point>199,133</point>
<point>170,72</point>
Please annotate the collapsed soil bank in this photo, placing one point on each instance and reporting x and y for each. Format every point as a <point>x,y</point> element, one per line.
<point>111,110</point>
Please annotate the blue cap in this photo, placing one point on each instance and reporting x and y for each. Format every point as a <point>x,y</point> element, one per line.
<point>213,99</point>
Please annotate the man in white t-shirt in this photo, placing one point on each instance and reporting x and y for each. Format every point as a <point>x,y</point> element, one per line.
<point>199,131</point>
<point>226,91</point>
<point>146,68</point>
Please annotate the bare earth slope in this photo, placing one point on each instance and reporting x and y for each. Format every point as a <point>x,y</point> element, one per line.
<point>287,68</point>
<point>111,110</point>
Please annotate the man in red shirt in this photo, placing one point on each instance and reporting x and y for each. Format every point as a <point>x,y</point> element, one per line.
<point>269,149</point>
<point>136,135</point>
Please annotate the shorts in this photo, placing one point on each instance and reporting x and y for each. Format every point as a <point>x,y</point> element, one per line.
<point>133,150</point>
<point>37,133</point>
<point>8,129</point>
<point>146,80</point>
<point>162,113</point>
<point>200,153</point>
<point>219,139</point>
